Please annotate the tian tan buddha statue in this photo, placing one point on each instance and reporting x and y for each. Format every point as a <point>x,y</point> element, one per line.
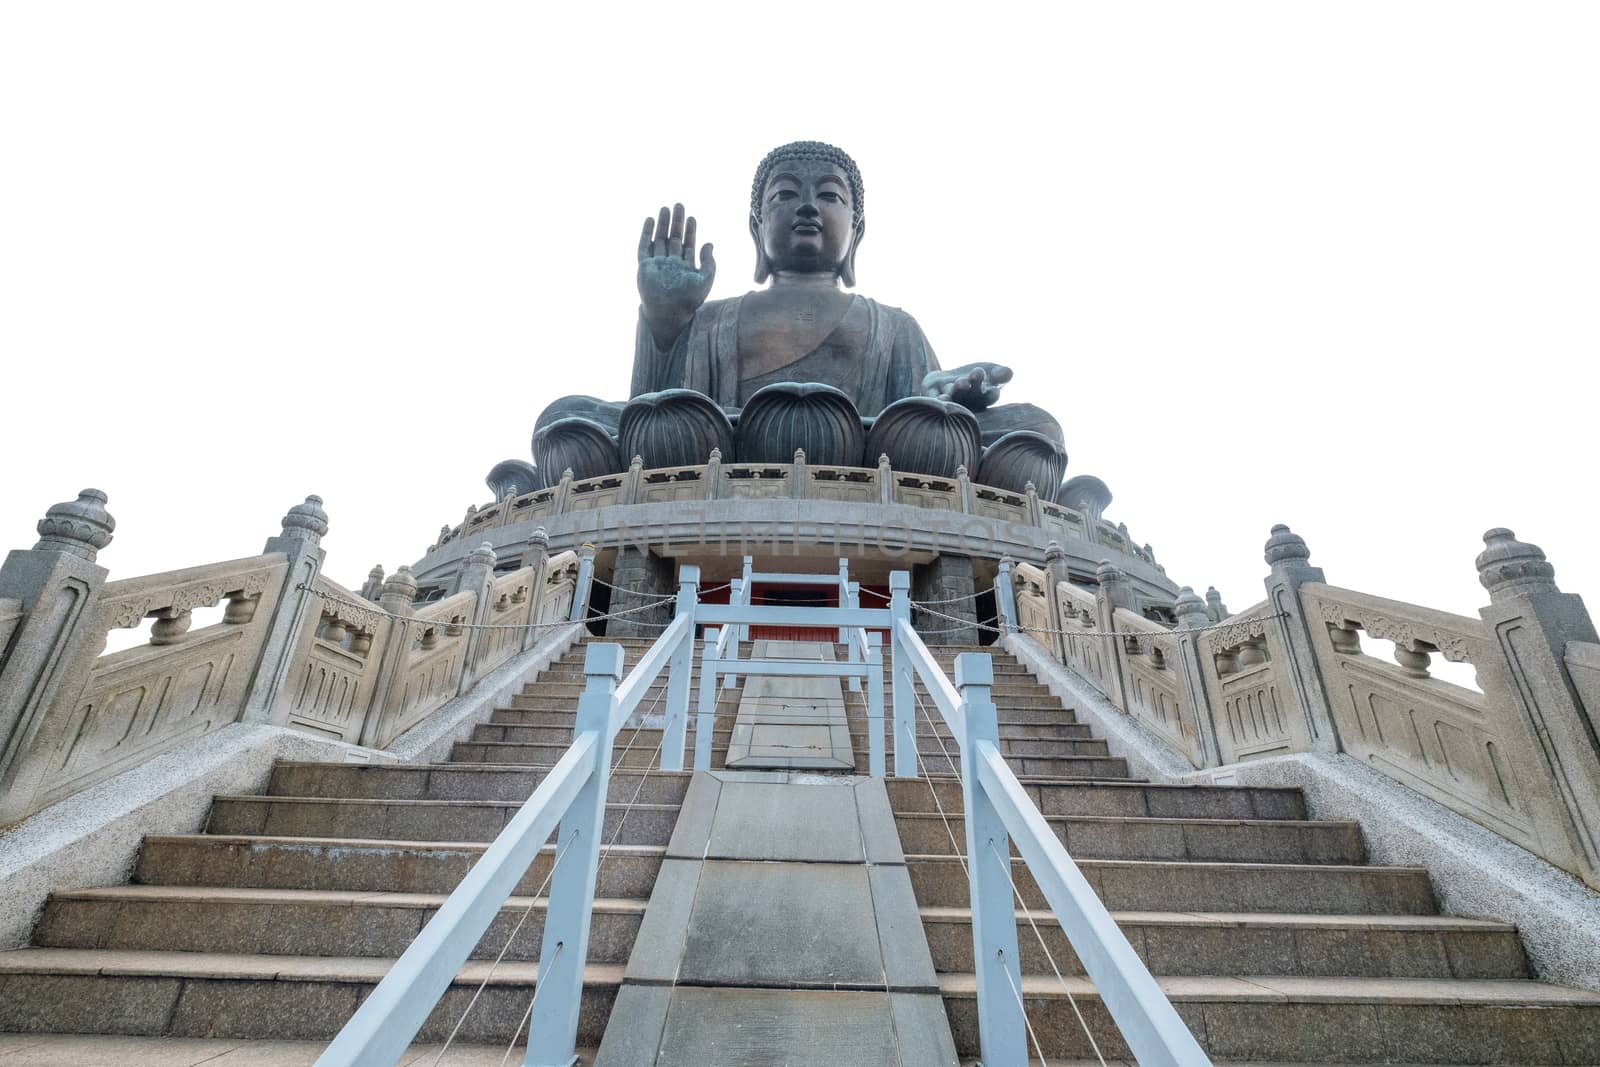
<point>800,364</point>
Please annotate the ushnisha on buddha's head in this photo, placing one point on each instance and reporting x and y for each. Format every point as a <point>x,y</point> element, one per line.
<point>807,212</point>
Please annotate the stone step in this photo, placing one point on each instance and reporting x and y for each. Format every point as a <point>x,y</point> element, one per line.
<point>455,781</point>
<point>1012,729</point>
<point>935,763</point>
<point>1192,840</point>
<point>301,922</point>
<point>412,820</point>
<point>202,994</point>
<point>256,862</point>
<point>1164,885</point>
<point>1056,797</point>
<point>1194,943</point>
<point>1299,1019</point>
<point>509,753</point>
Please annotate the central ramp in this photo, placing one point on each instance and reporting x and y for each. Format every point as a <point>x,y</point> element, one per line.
<point>791,723</point>
<point>782,930</point>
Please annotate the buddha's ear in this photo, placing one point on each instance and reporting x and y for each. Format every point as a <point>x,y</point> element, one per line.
<point>763,268</point>
<point>847,271</point>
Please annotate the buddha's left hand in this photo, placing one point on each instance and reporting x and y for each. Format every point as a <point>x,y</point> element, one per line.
<point>975,386</point>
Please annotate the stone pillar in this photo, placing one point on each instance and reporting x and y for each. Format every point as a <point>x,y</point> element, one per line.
<point>373,586</point>
<point>477,575</point>
<point>56,584</point>
<point>714,475</point>
<point>946,577</point>
<point>301,541</point>
<point>1287,555</point>
<point>1055,565</point>
<point>632,480</point>
<point>799,475</point>
<point>398,598</point>
<point>1192,615</point>
<point>885,480</point>
<point>1216,610</point>
<point>1114,592</point>
<point>1532,623</point>
<point>534,554</point>
<point>638,574</point>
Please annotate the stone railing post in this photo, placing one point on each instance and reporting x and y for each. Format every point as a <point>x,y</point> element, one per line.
<point>398,597</point>
<point>55,585</point>
<point>534,556</point>
<point>1216,610</point>
<point>301,541</point>
<point>1055,566</point>
<point>1531,622</point>
<point>885,480</point>
<point>372,588</point>
<point>580,592</point>
<point>558,506</point>
<point>476,574</point>
<point>1035,512</point>
<point>632,480</point>
<point>1114,593</point>
<point>799,475</point>
<point>964,489</point>
<point>1005,596</point>
<point>1287,555</point>
<point>714,475</point>
<point>1192,614</point>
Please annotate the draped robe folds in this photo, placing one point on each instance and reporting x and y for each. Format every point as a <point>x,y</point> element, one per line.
<point>705,356</point>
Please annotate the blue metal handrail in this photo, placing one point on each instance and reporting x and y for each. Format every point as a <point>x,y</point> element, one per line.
<point>996,812</point>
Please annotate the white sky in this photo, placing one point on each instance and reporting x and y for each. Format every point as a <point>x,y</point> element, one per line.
<point>1332,265</point>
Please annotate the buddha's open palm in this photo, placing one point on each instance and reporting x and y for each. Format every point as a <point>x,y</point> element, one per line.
<point>671,289</point>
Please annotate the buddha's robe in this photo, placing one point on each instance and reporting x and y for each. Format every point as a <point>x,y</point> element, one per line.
<point>876,354</point>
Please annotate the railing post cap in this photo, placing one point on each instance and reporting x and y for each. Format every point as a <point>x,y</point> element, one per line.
<point>1285,546</point>
<point>1054,551</point>
<point>1507,566</point>
<point>586,551</point>
<point>689,574</point>
<point>80,527</point>
<point>899,581</point>
<point>483,555</point>
<point>603,659</point>
<point>974,668</point>
<point>540,538</point>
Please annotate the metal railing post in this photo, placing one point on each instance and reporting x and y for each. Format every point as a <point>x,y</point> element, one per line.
<point>852,600</point>
<point>749,596</point>
<point>905,725</point>
<point>736,598</point>
<point>705,717</point>
<point>875,756</point>
<point>673,741</point>
<point>1005,596</point>
<point>1002,1035</point>
<point>580,591</point>
<point>844,595</point>
<point>558,996</point>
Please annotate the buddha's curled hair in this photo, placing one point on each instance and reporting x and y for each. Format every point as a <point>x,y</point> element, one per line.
<point>810,150</point>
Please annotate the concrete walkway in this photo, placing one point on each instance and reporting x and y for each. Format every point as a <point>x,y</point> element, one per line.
<point>782,930</point>
<point>87,1050</point>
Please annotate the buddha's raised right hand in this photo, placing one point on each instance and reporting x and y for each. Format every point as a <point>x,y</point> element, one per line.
<point>671,290</point>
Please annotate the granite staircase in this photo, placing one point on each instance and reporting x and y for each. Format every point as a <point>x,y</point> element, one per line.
<point>1274,937</point>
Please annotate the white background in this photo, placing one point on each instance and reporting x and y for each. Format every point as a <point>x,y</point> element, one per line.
<point>1332,265</point>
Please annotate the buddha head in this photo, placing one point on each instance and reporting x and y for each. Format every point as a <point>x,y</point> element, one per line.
<point>807,213</point>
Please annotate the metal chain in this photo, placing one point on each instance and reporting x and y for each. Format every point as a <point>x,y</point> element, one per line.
<point>597,580</point>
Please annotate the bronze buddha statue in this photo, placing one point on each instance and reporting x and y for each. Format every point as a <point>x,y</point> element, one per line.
<point>803,342</point>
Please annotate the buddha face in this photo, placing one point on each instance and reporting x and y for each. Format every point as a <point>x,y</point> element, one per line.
<point>807,218</point>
